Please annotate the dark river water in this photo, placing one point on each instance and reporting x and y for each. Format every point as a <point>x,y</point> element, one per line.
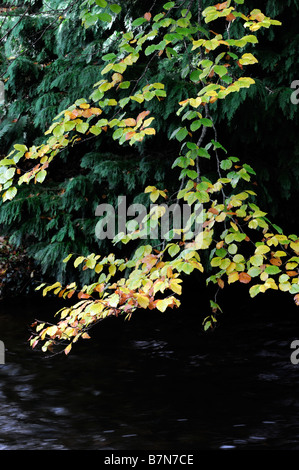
<point>153,383</point>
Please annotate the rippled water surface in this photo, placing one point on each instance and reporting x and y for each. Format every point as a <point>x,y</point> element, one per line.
<point>152,385</point>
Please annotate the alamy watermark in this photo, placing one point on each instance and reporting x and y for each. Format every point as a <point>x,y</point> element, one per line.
<point>295,94</point>
<point>163,222</point>
<point>2,93</point>
<point>2,353</point>
<point>295,354</point>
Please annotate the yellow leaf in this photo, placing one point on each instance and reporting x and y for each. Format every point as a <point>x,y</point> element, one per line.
<point>291,266</point>
<point>264,276</point>
<point>262,249</point>
<point>98,268</point>
<point>150,131</point>
<point>143,300</point>
<point>163,304</point>
<point>231,267</point>
<point>234,226</point>
<point>295,246</point>
<point>195,102</point>
<point>233,277</point>
<point>67,349</point>
<point>175,286</point>
<point>154,195</point>
<point>85,336</point>
<point>149,189</point>
<point>95,308</point>
<point>52,330</point>
<point>117,77</point>
<point>248,59</point>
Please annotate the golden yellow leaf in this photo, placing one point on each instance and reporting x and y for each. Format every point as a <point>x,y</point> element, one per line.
<point>233,277</point>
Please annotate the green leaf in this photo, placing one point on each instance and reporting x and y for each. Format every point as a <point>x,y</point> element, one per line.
<point>173,250</point>
<point>206,122</point>
<point>82,127</point>
<point>101,3</point>
<point>256,260</point>
<point>220,70</point>
<point>203,153</point>
<point>195,125</point>
<point>139,21</point>
<point>109,57</point>
<point>105,17</point>
<point>181,134</point>
<point>195,75</point>
<point>168,5</point>
<point>115,8</point>
<point>41,175</point>
<point>294,289</point>
<point>226,164</point>
<point>150,49</point>
<point>124,85</point>
<point>232,249</point>
<point>272,270</point>
<point>21,148</point>
<point>254,290</point>
<point>254,271</point>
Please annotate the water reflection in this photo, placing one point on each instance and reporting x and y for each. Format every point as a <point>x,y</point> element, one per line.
<point>151,386</point>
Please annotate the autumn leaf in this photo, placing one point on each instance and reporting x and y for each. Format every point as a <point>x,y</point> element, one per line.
<point>221,6</point>
<point>233,277</point>
<point>175,286</point>
<point>142,115</point>
<point>230,17</point>
<point>130,122</point>
<point>148,16</point>
<point>295,246</point>
<point>149,261</point>
<point>292,273</point>
<point>150,131</point>
<point>244,278</point>
<point>82,295</point>
<point>214,211</point>
<point>85,336</point>
<point>68,349</point>
<point>129,135</point>
<point>276,261</point>
<point>143,300</point>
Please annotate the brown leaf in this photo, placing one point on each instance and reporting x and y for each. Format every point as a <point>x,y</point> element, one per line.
<point>148,16</point>
<point>230,17</point>
<point>213,210</point>
<point>142,115</point>
<point>81,295</point>
<point>244,278</point>
<point>296,299</point>
<point>276,261</point>
<point>213,99</point>
<point>292,273</point>
<point>221,6</point>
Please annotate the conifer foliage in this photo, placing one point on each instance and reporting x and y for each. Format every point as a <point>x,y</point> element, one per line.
<point>142,64</point>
